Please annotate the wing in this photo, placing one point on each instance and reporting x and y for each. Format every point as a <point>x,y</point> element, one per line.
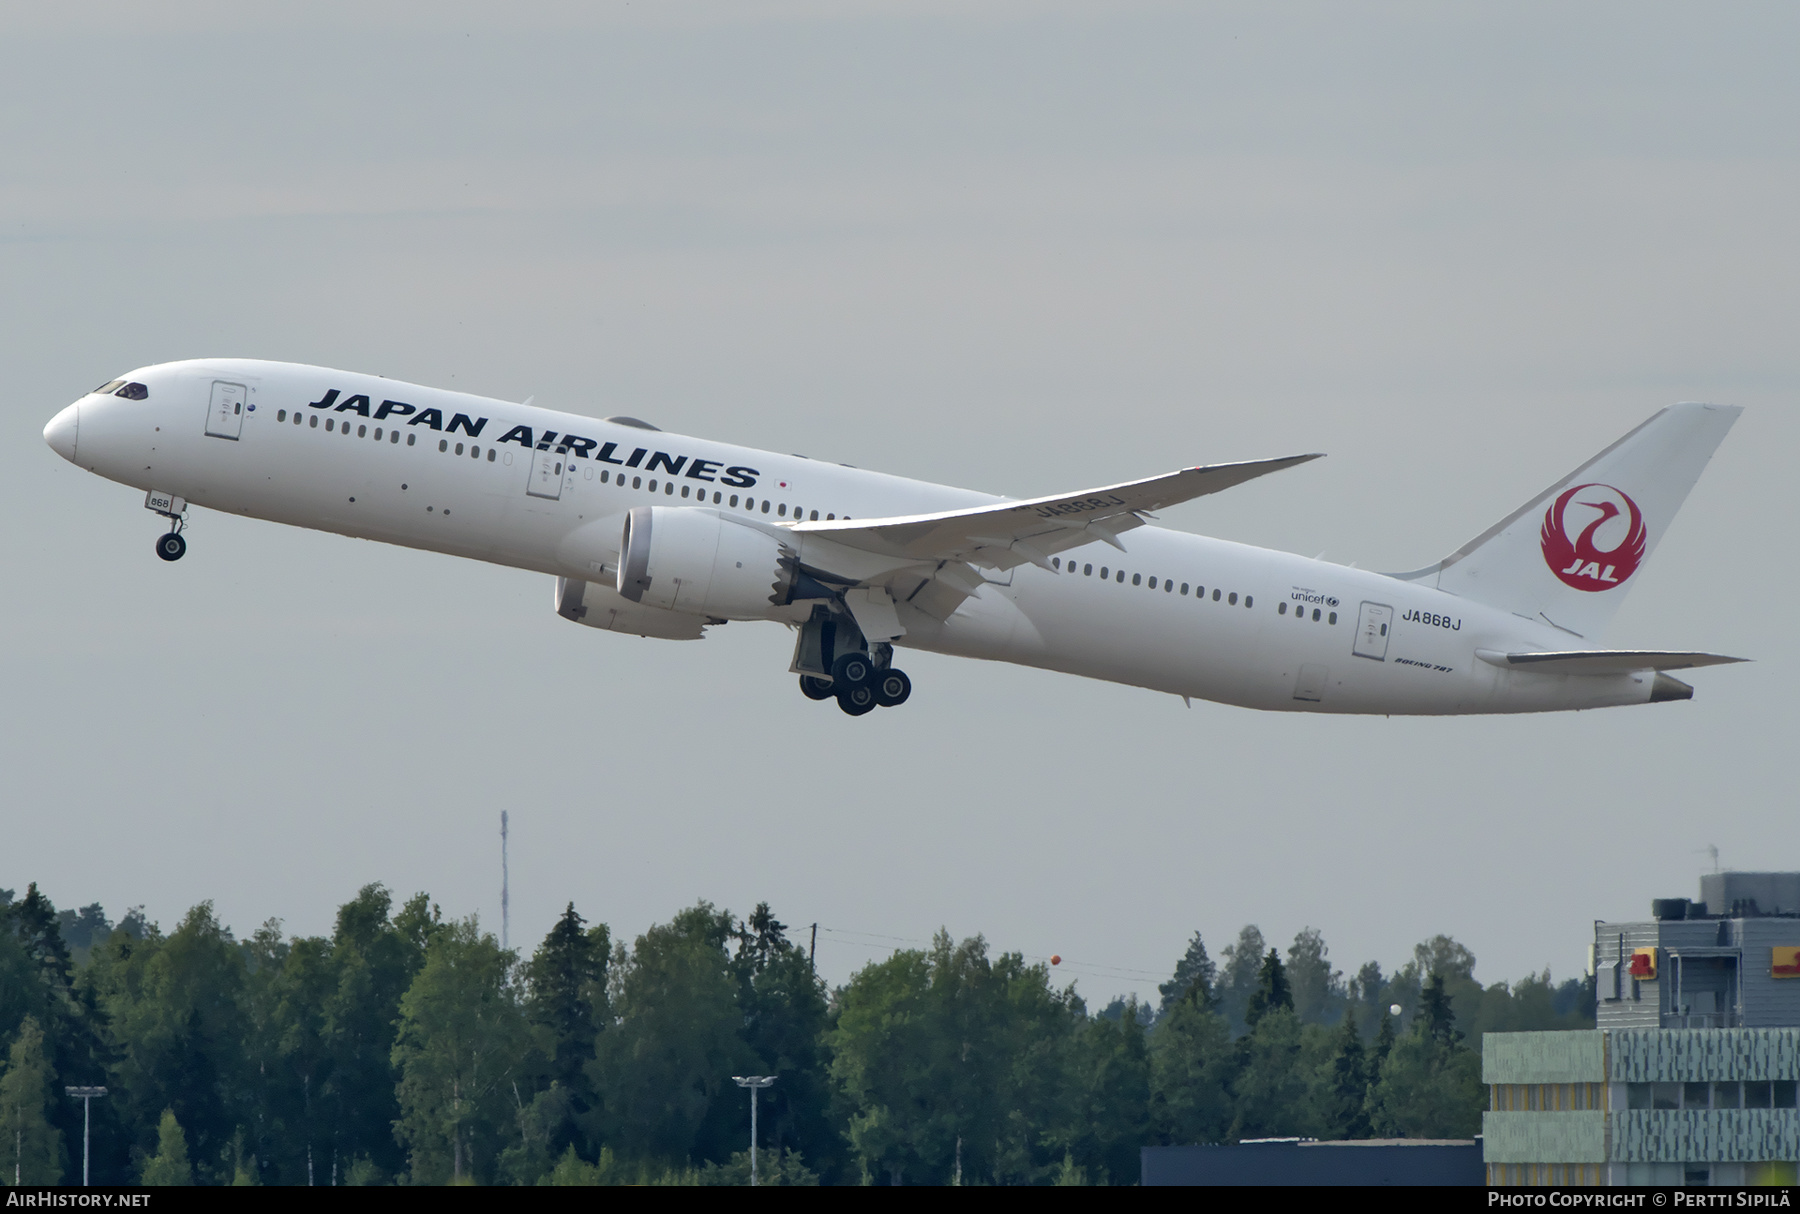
<point>1011,533</point>
<point>1603,661</point>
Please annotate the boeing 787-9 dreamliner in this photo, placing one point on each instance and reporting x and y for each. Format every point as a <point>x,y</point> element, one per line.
<point>662,535</point>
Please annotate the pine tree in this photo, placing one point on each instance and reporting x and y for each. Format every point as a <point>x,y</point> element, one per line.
<point>1384,1044</point>
<point>1272,990</point>
<point>1347,1089</point>
<point>567,977</point>
<point>32,1150</point>
<point>1195,977</point>
<point>169,1166</point>
<point>1435,1014</point>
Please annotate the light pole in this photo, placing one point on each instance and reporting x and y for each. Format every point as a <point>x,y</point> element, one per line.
<point>86,1096</point>
<point>755,1083</point>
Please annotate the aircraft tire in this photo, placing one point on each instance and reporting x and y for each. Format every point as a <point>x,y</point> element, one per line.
<point>892,687</point>
<point>857,700</point>
<point>852,670</point>
<point>815,688</point>
<point>171,547</point>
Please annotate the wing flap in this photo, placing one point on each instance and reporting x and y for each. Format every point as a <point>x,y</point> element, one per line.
<point>1604,661</point>
<point>1013,533</point>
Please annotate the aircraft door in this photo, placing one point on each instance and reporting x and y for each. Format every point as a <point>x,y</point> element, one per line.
<point>547,469</point>
<point>1373,623</point>
<point>225,413</point>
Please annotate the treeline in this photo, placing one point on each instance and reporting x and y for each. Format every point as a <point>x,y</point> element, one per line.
<point>407,1048</point>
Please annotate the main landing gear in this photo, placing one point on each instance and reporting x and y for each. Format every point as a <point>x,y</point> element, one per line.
<point>859,685</point>
<point>835,662</point>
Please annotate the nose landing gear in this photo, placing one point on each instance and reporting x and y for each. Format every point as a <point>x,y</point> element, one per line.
<point>170,547</point>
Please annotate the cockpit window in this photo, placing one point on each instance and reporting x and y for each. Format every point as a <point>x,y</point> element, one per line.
<point>106,387</point>
<point>133,392</point>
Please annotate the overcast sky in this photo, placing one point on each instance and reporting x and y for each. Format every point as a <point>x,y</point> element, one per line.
<point>1025,249</point>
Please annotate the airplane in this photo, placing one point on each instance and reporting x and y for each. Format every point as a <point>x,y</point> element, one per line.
<point>663,535</point>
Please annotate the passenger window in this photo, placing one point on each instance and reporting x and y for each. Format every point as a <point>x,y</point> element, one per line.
<point>474,451</point>
<point>1232,598</point>
<point>1168,586</point>
<point>491,460</point>
<point>716,498</point>
<point>361,431</point>
<point>1105,573</point>
<point>684,490</point>
<point>765,509</point>
<point>459,448</point>
<point>1281,609</point>
<point>1056,563</point>
<point>1119,577</point>
<point>1251,602</point>
<point>1137,579</point>
<point>669,488</point>
<point>411,439</point>
<point>605,476</point>
<point>653,484</point>
<point>733,499</point>
<point>1315,615</point>
<point>814,517</point>
<point>330,423</point>
<point>1087,571</point>
<point>783,511</point>
<point>637,482</point>
<point>1332,619</point>
<point>829,516</point>
<point>1184,588</point>
<point>1215,594</point>
<point>297,418</point>
<point>281,415</point>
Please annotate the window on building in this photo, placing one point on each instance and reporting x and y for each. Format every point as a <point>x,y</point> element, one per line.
<point>1787,1093</point>
<point>1694,1095</point>
<point>1637,1096</point>
<point>1665,1095</point>
<point>1727,1095</point>
<point>1756,1095</point>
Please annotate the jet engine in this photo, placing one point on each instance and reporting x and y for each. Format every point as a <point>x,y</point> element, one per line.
<point>695,560</point>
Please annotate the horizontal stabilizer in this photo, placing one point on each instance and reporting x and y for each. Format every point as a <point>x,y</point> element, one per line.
<point>1012,533</point>
<point>1603,661</point>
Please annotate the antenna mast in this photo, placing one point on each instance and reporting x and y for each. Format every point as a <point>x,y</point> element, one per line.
<point>505,913</point>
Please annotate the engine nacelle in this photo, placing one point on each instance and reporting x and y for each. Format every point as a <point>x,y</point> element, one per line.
<point>684,558</point>
<point>599,606</point>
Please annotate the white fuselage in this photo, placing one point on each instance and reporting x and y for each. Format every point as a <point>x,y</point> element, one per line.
<point>464,475</point>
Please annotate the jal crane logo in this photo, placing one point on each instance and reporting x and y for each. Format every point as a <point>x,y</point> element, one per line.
<point>1579,522</point>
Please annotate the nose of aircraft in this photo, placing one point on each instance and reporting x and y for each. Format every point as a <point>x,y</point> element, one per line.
<point>62,432</point>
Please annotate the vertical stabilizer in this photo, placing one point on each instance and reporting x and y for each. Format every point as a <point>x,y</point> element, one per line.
<point>1569,555</point>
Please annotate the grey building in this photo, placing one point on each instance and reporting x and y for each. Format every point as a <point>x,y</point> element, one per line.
<point>1693,1074</point>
